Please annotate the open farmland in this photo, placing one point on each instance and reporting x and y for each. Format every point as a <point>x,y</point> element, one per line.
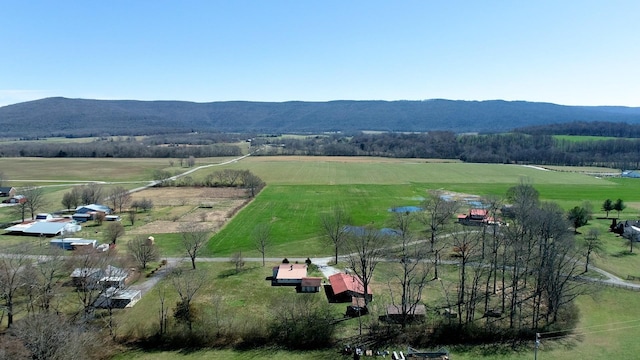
<point>299,188</point>
<point>22,171</point>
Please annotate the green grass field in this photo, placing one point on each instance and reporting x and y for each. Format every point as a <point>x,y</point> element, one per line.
<point>299,188</point>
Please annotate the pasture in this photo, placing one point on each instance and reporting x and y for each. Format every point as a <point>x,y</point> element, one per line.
<point>300,188</point>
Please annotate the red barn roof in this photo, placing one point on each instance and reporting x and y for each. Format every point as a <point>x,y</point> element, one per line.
<point>344,282</point>
<point>479,212</point>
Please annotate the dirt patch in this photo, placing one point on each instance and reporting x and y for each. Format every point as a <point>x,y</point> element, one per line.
<point>208,207</point>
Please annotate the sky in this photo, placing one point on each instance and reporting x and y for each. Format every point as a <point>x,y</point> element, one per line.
<point>569,52</point>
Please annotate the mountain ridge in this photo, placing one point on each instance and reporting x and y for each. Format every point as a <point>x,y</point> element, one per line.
<point>59,116</point>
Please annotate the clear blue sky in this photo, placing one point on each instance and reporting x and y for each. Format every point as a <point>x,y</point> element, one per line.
<point>572,52</point>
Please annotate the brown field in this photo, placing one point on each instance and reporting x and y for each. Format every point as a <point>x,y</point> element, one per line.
<point>211,207</point>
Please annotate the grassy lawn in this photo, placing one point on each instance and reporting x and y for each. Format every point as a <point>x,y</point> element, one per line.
<point>609,316</point>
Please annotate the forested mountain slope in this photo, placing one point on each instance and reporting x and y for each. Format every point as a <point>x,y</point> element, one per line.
<point>82,117</point>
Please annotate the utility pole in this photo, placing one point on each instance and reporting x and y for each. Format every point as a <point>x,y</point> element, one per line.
<point>537,345</point>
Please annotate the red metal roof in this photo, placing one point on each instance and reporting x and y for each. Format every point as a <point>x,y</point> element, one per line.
<point>479,212</point>
<point>344,282</point>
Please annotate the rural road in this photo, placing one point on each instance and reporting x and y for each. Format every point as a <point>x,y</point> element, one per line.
<point>328,270</point>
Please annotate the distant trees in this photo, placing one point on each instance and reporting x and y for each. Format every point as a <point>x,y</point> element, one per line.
<point>143,204</point>
<point>73,198</point>
<point>119,198</point>
<point>91,193</point>
<point>148,148</point>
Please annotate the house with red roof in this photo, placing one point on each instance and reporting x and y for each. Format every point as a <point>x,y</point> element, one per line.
<point>295,275</point>
<point>476,217</point>
<point>345,287</point>
<point>289,274</point>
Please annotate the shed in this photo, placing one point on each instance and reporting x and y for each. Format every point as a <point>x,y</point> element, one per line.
<point>73,243</point>
<point>16,199</point>
<point>413,312</point>
<point>85,209</point>
<point>82,217</point>
<point>115,298</point>
<point>310,284</point>
<point>90,278</point>
<point>45,228</point>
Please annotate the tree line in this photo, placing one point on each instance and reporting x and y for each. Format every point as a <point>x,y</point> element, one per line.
<point>505,148</point>
<point>128,148</point>
<point>525,146</point>
<point>511,281</point>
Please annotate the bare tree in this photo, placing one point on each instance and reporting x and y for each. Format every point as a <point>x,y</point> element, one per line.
<point>262,238</point>
<point>35,199</point>
<point>593,244</point>
<point>113,231</point>
<point>187,284</point>
<point>20,210</point>
<point>415,270</point>
<point>333,225</point>
<point>119,198</point>
<point>73,198</point>
<point>238,261</point>
<point>91,193</point>
<point>144,204</point>
<point>191,161</point>
<point>49,270</point>
<point>163,312</point>
<point>11,283</point>
<point>99,217</point>
<point>88,266</point>
<point>252,183</point>
<point>438,211</point>
<point>142,250</point>
<point>53,336</point>
<point>366,249</point>
<point>466,246</point>
<point>133,213</point>
<point>194,237</point>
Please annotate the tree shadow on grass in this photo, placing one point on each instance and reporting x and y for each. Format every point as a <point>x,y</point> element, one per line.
<point>231,272</point>
<point>623,253</point>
